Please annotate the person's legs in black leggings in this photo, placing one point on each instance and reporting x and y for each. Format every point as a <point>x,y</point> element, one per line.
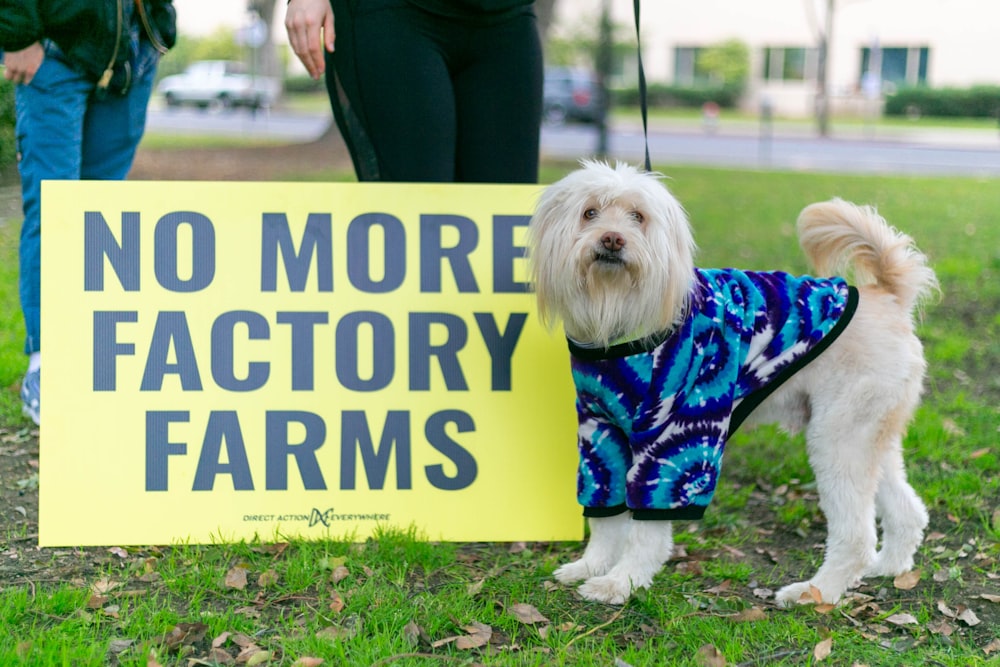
<point>396,83</point>
<point>499,104</point>
<point>402,116</point>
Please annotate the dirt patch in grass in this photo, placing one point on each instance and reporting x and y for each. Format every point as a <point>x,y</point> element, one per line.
<point>252,163</point>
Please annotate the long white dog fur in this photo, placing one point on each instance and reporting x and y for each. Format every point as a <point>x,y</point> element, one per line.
<point>853,402</point>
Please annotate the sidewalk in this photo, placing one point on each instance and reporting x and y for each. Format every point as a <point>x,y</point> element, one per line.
<point>972,138</point>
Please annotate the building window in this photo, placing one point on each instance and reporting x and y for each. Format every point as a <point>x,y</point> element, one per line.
<point>901,66</point>
<point>789,63</point>
<point>685,65</point>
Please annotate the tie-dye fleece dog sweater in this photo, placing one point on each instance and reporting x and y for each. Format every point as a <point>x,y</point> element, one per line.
<point>655,414</point>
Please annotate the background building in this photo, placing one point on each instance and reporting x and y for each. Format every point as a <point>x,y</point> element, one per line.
<point>874,45</point>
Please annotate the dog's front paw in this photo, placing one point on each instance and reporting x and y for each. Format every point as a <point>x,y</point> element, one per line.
<point>578,570</point>
<point>807,592</point>
<point>802,592</point>
<point>609,589</point>
<point>889,565</point>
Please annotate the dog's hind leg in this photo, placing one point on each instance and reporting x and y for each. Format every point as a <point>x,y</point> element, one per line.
<point>647,548</point>
<point>607,541</point>
<point>847,468</point>
<point>902,514</point>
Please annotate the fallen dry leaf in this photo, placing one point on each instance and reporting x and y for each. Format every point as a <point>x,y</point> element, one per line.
<point>812,596</point>
<point>247,654</point>
<point>479,635</point>
<point>951,427</point>
<point>992,647</point>
<point>412,633</point>
<point>218,656</point>
<point>236,577</point>
<point>104,586</point>
<point>751,615</point>
<point>118,645</point>
<point>96,601</point>
<point>267,578</point>
<point>336,602</point>
<point>249,612</point>
<point>474,588</point>
<point>721,588</point>
<point>527,613</point>
<point>823,649</point>
<point>907,581</point>
<point>941,628</point>
<point>691,567</point>
<point>990,598</point>
<point>339,573</point>
<point>259,658</point>
<point>709,656</point>
<point>184,634</point>
<point>307,662</point>
<point>969,617</point>
<point>220,640</point>
<point>332,632</point>
<point>902,619</point>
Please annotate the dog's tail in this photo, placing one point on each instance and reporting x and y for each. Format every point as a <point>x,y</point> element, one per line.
<point>837,235</point>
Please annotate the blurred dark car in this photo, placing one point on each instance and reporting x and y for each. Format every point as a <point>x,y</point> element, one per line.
<point>571,95</point>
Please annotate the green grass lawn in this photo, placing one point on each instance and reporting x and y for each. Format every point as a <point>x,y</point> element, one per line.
<point>402,601</point>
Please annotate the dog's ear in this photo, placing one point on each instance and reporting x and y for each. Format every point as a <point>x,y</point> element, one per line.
<point>550,227</point>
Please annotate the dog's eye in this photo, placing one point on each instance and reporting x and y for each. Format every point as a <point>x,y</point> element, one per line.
<point>590,214</point>
<point>637,217</point>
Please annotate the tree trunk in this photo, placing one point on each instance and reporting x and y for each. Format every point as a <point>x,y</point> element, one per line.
<point>544,9</point>
<point>267,57</point>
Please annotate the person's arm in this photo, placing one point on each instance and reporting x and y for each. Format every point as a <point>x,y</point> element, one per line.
<point>20,24</point>
<point>20,66</point>
<point>309,24</point>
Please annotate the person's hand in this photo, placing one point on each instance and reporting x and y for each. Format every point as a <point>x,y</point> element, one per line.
<point>20,66</point>
<point>310,30</point>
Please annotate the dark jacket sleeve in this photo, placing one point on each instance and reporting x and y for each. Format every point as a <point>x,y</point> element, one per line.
<point>165,21</point>
<point>20,24</point>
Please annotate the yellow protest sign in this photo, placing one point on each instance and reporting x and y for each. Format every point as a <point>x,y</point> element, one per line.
<point>227,361</point>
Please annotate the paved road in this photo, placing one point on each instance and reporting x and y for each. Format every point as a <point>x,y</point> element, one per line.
<point>955,152</point>
<point>737,144</point>
<point>278,125</point>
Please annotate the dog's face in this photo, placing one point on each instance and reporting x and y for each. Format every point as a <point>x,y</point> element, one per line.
<point>611,254</point>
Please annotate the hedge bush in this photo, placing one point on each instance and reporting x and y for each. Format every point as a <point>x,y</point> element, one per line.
<point>974,102</point>
<point>303,84</point>
<point>664,96</point>
<point>8,154</point>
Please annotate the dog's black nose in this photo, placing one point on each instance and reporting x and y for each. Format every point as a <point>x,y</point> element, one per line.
<point>613,241</point>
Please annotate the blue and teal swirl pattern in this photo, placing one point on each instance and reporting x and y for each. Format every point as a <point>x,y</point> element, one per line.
<point>655,415</point>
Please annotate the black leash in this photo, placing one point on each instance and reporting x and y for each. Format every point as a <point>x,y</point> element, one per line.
<point>642,87</point>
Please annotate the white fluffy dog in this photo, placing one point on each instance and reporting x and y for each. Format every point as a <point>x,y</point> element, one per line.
<point>652,336</point>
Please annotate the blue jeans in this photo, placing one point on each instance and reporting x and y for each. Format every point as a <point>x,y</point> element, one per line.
<point>67,130</point>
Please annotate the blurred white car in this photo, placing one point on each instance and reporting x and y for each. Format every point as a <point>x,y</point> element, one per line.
<point>224,83</point>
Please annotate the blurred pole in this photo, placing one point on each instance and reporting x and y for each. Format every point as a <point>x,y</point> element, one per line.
<point>766,132</point>
<point>822,79</point>
<point>603,68</point>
